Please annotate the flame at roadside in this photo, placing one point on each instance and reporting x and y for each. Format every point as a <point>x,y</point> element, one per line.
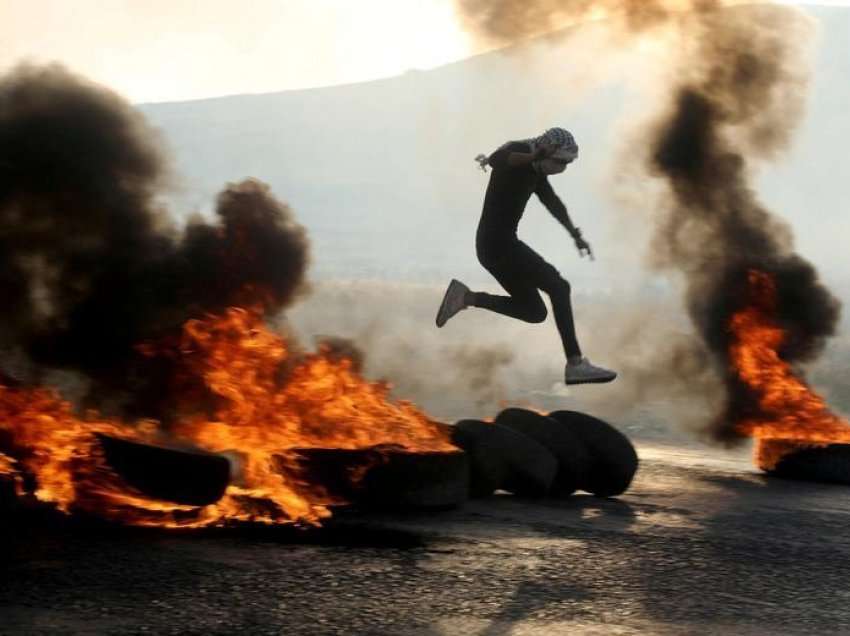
<point>783,413</point>
<point>99,281</point>
<point>261,402</point>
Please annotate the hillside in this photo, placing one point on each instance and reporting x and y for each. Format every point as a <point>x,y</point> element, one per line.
<point>382,172</point>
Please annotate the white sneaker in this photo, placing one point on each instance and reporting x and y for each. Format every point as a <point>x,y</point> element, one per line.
<point>585,373</point>
<point>453,301</point>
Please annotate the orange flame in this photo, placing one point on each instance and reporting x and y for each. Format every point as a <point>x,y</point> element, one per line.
<point>790,414</point>
<point>321,403</point>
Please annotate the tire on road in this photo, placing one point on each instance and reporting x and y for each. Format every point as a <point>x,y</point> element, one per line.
<point>614,461</point>
<point>191,477</point>
<point>406,481</point>
<point>503,459</point>
<point>8,496</point>
<point>828,464</point>
<point>573,457</point>
<point>386,478</point>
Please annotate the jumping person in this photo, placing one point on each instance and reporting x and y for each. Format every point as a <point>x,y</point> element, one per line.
<point>520,169</point>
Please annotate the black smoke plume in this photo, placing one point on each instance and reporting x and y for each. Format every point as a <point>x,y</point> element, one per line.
<point>90,264</point>
<point>735,92</point>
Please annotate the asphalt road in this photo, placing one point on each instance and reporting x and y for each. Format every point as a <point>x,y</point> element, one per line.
<point>699,545</point>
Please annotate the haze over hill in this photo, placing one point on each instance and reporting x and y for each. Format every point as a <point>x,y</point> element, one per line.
<point>382,174</point>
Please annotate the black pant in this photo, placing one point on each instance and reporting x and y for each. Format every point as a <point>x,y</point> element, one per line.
<point>522,271</point>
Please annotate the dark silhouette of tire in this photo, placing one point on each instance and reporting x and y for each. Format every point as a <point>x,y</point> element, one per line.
<point>8,497</point>
<point>613,460</point>
<point>574,460</point>
<point>387,478</point>
<point>407,481</point>
<point>826,464</point>
<point>503,459</point>
<point>191,477</point>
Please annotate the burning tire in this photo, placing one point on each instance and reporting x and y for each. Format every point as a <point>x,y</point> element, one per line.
<point>8,494</point>
<point>417,480</point>
<point>573,457</point>
<point>8,497</point>
<point>193,478</point>
<point>502,459</point>
<point>828,464</point>
<point>387,478</point>
<point>613,460</point>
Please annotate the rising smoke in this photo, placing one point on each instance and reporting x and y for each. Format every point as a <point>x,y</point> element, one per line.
<point>90,265</point>
<point>439,369</point>
<point>506,21</point>
<point>733,96</point>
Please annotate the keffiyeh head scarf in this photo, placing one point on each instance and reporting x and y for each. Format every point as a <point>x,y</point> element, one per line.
<point>567,149</point>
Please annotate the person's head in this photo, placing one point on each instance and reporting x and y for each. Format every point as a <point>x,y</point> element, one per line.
<point>566,151</point>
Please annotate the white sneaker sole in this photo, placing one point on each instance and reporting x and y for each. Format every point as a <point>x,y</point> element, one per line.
<point>602,379</point>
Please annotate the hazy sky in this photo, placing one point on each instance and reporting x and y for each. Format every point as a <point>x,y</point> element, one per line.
<point>153,50</point>
<point>162,50</point>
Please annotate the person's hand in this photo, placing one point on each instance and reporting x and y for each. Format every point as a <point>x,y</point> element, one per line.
<point>583,247</point>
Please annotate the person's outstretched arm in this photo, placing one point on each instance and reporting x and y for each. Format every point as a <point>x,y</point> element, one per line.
<point>518,154</point>
<point>557,209</point>
<point>524,158</point>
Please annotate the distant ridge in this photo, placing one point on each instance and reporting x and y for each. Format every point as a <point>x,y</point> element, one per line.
<point>382,172</point>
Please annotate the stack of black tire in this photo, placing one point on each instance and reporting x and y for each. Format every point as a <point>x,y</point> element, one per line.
<point>521,452</point>
<point>534,455</point>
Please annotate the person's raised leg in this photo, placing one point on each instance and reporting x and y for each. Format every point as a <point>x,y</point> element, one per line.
<point>559,292</point>
<point>578,370</point>
<point>523,302</point>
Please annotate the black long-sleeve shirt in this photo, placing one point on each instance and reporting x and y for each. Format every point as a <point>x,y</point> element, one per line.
<point>508,192</point>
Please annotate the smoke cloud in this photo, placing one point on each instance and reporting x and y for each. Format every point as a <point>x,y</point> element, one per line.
<point>507,21</point>
<point>438,369</point>
<point>732,97</point>
<point>90,265</point>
